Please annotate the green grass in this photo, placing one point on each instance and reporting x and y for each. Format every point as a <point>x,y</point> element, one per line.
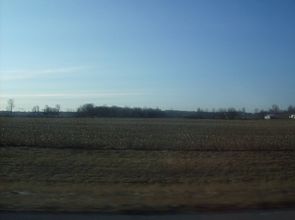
<point>145,164</point>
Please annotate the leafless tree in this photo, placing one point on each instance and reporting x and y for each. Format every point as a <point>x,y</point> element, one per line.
<point>275,108</point>
<point>10,105</point>
<point>57,107</point>
<point>36,109</point>
<point>291,109</point>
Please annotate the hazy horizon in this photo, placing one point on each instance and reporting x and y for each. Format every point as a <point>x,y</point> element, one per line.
<point>179,55</point>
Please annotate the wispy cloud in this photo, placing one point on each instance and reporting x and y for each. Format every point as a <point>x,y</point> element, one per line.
<point>72,95</point>
<point>11,75</point>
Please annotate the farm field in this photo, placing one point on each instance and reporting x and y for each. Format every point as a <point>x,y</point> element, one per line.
<point>133,165</point>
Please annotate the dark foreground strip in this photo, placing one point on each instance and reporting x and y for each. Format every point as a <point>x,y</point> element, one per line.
<point>245,215</point>
<point>105,148</point>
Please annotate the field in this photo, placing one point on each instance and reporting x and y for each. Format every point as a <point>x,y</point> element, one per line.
<point>134,165</point>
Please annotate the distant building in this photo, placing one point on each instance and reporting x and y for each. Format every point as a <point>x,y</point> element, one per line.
<point>292,116</point>
<point>270,116</point>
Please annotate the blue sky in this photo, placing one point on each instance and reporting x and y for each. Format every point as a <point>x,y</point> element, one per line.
<point>180,54</point>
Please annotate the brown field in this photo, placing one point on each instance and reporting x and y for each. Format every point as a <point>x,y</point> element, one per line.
<point>115,165</point>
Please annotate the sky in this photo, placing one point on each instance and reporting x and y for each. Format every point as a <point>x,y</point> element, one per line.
<point>170,54</point>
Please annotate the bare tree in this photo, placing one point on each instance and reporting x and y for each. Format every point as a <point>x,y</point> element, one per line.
<point>36,109</point>
<point>57,107</point>
<point>51,111</point>
<point>256,110</point>
<point>10,105</point>
<point>275,109</point>
<point>291,109</point>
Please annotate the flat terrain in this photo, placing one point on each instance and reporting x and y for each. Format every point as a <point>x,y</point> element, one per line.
<point>130,165</point>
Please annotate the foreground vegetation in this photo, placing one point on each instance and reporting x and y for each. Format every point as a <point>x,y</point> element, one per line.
<point>145,164</point>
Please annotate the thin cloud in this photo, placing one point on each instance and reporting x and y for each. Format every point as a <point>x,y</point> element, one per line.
<point>72,95</point>
<point>12,75</point>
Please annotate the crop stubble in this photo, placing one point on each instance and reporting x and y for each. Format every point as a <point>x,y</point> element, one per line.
<point>145,164</point>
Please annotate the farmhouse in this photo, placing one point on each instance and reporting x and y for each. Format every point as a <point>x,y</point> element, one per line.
<point>292,116</point>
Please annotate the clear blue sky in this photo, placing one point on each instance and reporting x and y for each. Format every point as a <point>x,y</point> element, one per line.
<point>180,54</point>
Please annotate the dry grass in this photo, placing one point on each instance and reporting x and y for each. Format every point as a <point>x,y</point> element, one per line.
<point>128,164</point>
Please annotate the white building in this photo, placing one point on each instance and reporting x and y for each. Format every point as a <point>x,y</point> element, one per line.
<point>292,116</point>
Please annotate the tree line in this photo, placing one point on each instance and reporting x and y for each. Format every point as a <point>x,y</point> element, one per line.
<point>90,110</point>
<point>115,111</point>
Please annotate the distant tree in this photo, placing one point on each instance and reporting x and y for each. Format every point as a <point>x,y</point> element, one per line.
<point>86,110</point>
<point>86,107</point>
<point>275,109</point>
<point>10,105</point>
<point>222,110</point>
<point>51,111</point>
<point>232,113</point>
<point>46,108</point>
<point>261,114</point>
<point>291,109</point>
<point>35,108</point>
<point>89,110</point>
<point>57,107</point>
<point>256,110</point>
